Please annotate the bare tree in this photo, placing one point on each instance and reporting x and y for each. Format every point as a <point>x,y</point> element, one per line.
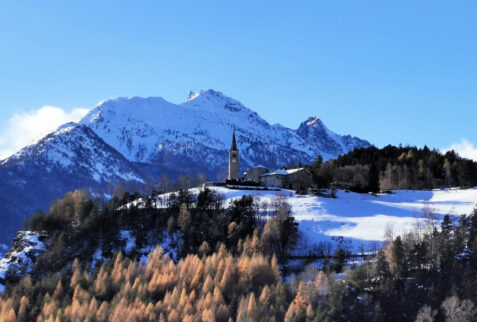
<point>426,314</point>
<point>457,310</point>
<point>148,186</point>
<point>389,232</point>
<point>374,246</point>
<point>264,208</point>
<point>448,173</point>
<point>201,178</point>
<point>418,225</point>
<point>431,221</point>
<point>164,183</point>
<point>362,249</point>
<point>386,179</point>
<point>185,182</point>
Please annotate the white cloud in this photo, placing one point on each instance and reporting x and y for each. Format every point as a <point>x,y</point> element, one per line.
<point>23,128</point>
<point>464,148</point>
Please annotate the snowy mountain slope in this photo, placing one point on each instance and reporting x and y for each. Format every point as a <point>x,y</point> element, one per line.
<point>360,218</point>
<point>133,139</point>
<point>152,130</point>
<point>73,157</point>
<point>75,148</point>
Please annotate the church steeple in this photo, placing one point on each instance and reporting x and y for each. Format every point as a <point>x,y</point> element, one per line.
<point>233,160</point>
<point>234,143</point>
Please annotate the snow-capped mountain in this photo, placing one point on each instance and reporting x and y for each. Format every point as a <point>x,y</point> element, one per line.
<point>198,133</point>
<point>326,142</point>
<point>73,157</point>
<point>76,150</point>
<point>136,139</point>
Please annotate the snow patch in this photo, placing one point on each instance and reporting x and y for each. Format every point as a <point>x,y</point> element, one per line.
<point>26,247</point>
<point>126,235</point>
<point>97,256</point>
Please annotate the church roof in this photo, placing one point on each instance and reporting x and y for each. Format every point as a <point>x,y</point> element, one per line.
<point>234,143</point>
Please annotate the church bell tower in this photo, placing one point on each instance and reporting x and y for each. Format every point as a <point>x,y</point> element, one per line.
<point>233,160</point>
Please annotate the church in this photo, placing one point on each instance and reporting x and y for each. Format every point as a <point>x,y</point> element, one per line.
<point>298,178</point>
<point>233,173</point>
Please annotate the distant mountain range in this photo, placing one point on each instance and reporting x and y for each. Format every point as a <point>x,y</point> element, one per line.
<point>138,139</point>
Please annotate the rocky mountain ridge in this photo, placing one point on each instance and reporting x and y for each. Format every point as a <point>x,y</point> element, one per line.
<point>152,130</point>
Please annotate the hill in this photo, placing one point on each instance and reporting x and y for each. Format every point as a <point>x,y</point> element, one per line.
<point>359,220</point>
<point>225,256</point>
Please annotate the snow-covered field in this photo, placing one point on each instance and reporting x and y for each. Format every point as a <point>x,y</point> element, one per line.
<point>362,218</point>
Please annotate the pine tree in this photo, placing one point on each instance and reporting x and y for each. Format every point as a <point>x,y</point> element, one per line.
<point>473,230</point>
<point>381,269</point>
<point>373,178</point>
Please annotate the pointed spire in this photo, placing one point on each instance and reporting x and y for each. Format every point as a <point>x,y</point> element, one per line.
<point>234,143</point>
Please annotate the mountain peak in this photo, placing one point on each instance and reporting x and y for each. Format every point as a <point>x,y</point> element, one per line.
<point>131,104</point>
<point>153,130</point>
<point>213,100</point>
<point>67,126</point>
<point>192,96</point>
<point>314,121</point>
<point>209,95</point>
<point>212,93</point>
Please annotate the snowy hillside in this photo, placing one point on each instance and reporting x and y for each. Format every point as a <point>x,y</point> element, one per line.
<point>361,218</point>
<point>352,220</point>
<point>151,130</point>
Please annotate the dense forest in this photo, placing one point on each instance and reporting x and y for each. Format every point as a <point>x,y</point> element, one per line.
<point>372,169</point>
<point>228,267</point>
<point>190,223</point>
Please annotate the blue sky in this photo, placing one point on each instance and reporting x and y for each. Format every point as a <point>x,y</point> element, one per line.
<point>403,72</point>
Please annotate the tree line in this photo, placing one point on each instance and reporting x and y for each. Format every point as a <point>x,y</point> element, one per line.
<point>390,168</point>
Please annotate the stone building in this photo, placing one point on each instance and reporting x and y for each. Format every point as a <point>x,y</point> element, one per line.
<point>295,179</point>
<point>255,173</point>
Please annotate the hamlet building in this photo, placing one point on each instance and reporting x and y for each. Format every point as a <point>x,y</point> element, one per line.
<point>296,179</point>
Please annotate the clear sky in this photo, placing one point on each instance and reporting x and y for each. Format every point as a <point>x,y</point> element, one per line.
<point>402,72</point>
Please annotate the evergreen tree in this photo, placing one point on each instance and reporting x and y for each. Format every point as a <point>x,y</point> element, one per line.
<point>473,229</point>
<point>373,178</point>
<point>398,261</point>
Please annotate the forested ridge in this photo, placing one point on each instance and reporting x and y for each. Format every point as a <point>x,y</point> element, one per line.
<point>372,169</point>
<point>229,268</point>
